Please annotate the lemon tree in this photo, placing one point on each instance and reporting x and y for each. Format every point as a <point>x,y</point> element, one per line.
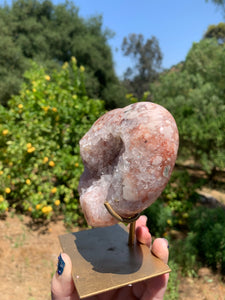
<point>40,131</point>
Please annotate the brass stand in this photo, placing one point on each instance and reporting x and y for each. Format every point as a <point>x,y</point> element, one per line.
<point>103,261</point>
<point>131,234</point>
<point>131,220</point>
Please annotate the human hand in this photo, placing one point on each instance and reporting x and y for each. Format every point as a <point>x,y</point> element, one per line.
<point>152,289</point>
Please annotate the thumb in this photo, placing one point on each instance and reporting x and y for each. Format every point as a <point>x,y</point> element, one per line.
<point>62,287</point>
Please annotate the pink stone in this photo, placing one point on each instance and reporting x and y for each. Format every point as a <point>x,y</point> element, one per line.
<point>129,155</point>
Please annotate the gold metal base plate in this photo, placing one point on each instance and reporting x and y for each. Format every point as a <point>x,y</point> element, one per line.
<point>103,261</point>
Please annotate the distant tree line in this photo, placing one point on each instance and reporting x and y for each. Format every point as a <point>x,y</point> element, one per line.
<point>193,90</point>
<point>50,35</point>
<point>218,2</point>
<point>147,58</point>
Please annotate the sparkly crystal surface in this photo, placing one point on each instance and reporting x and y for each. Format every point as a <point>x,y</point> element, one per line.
<point>129,155</point>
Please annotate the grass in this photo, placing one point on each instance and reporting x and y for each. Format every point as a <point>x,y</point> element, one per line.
<point>172,292</point>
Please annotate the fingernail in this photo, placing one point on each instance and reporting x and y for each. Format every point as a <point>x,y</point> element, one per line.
<point>167,242</point>
<point>145,227</point>
<point>60,265</point>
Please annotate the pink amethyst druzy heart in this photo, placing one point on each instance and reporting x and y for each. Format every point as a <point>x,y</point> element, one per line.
<point>128,155</point>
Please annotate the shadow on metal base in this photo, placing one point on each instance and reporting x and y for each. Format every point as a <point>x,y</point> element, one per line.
<point>103,261</point>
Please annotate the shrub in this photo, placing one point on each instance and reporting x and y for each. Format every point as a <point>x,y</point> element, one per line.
<point>170,215</point>
<point>202,241</point>
<point>184,253</point>
<point>158,215</point>
<point>40,131</point>
<point>193,92</point>
<point>207,226</point>
<point>172,208</point>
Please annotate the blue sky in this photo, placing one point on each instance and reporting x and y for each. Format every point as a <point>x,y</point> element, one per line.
<point>175,23</point>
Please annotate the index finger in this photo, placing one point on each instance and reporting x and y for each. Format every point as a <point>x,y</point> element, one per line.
<point>142,233</point>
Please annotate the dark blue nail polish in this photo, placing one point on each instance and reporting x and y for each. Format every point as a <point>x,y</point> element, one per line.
<point>167,243</point>
<point>61,265</point>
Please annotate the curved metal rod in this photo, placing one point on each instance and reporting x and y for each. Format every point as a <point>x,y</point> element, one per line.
<point>118,217</point>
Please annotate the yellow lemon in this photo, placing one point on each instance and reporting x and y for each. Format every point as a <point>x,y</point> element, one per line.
<point>7,190</point>
<point>45,108</point>
<point>65,65</point>
<point>44,209</point>
<point>1,198</point>
<point>185,215</point>
<point>45,159</point>
<point>54,190</point>
<point>54,109</point>
<point>73,59</point>
<point>30,150</point>
<point>57,202</point>
<point>51,163</point>
<point>169,222</point>
<point>76,165</point>
<point>47,77</point>
<point>38,206</point>
<point>29,145</point>
<point>28,182</point>
<point>5,132</point>
<point>49,208</point>
<point>20,106</point>
<point>82,68</point>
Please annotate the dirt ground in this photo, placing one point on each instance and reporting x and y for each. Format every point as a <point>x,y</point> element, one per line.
<point>28,258</point>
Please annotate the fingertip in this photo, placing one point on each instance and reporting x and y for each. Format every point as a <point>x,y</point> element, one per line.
<point>62,282</point>
<point>160,249</point>
<point>143,235</point>
<point>144,218</point>
<point>67,267</point>
<point>141,221</point>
